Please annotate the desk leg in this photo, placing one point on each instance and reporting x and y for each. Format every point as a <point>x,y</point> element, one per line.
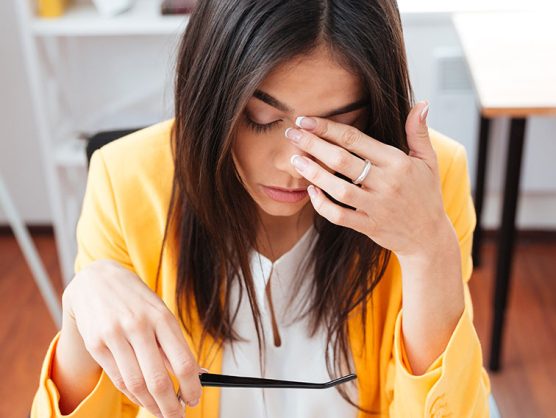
<point>482,155</point>
<point>506,237</point>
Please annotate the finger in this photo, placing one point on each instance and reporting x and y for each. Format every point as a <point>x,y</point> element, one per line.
<point>418,138</point>
<point>108,364</point>
<point>350,138</point>
<point>338,188</point>
<point>156,376</point>
<point>336,214</point>
<point>169,367</point>
<point>334,156</point>
<point>181,359</point>
<point>125,360</point>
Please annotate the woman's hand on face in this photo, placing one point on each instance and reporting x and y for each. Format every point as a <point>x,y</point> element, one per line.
<point>399,204</point>
<point>133,336</point>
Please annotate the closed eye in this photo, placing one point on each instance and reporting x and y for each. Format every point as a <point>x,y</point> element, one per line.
<point>265,127</point>
<point>259,127</point>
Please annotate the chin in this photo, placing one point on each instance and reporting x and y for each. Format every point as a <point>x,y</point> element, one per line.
<point>274,208</point>
<point>282,209</point>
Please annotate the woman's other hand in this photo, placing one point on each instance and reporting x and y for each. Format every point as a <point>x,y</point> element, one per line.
<point>130,333</point>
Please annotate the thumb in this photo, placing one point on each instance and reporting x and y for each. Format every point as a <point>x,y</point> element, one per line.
<point>418,132</point>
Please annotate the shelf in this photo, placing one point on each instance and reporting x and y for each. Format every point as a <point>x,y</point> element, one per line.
<point>144,18</point>
<point>82,19</point>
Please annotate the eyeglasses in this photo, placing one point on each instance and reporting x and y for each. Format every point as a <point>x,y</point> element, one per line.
<point>222,380</point>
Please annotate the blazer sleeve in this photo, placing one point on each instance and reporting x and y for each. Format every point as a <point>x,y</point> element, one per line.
<point>98,237</point>
<point>456,383</point>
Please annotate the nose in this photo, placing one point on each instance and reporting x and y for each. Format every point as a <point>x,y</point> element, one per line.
<point>287,150</point>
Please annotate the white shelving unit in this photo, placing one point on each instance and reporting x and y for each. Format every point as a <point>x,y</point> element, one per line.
<point>82,19</point>
<point>61,144</point>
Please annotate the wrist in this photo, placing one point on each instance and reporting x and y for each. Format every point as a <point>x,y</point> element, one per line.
<point>74,371</point>
<point>441,247</point>
<point>71,350</point>
<point>71,346</point>
<point>67,307</point>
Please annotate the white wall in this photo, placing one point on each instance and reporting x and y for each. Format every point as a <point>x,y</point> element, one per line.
<point>424,35</point>
<point>118,66</point>
<point>20,159</point>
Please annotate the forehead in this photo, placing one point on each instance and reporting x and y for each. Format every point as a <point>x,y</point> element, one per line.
<point>313,84</point>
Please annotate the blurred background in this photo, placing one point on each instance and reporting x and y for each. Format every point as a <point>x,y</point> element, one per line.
<point>79,71</point>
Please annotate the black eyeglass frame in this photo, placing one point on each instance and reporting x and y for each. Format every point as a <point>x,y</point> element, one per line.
<point>223,380</point>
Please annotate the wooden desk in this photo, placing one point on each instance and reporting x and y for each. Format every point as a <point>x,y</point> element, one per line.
<point>512,61</point>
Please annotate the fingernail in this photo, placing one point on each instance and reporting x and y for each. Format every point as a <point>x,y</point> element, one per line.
<point>205,370</point>
<point>424,112</point>
<point>293,134</point>
<point>298,162</point>
<point>312,191</point>
<point>193,403</point>
<point>305,122</point>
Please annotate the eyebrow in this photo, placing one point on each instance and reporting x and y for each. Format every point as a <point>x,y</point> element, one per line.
<point>274,102</point>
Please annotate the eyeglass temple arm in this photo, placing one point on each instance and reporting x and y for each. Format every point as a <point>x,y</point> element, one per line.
<point>222,380</point>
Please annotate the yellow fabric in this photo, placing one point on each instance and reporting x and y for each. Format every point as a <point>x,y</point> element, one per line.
<point>123,217</point>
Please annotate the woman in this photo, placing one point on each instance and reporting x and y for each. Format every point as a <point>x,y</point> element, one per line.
<point>190,257</point>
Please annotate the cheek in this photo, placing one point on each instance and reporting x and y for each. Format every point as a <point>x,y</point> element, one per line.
<point>362,120</point>
<point>250,154</point>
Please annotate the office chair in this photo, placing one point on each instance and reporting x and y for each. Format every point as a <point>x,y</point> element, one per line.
<point>102,138</point>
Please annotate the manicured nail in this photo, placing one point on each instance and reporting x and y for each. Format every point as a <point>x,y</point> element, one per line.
<point>193,403</point>
<point>293,134</point>
<point>312,191</point>
<point>180,398</point>
<point>424,112</point>
<point>298,162</point>
<point>305,122</point>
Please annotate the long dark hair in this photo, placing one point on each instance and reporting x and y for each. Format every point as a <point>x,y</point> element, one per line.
<point>228,48</point>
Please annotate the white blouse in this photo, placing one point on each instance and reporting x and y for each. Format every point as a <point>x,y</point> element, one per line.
<point>298,358</point>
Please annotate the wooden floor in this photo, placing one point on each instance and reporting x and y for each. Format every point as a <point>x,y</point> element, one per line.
<point>526,386</point>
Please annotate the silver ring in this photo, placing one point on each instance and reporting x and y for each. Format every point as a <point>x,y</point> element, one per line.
<point>364,173</point>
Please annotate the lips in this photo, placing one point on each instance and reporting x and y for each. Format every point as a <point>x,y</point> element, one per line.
<point>285,195</point>
<point>301,189</point>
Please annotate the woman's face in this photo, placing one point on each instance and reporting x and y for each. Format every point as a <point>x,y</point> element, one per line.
<point>313,85</point>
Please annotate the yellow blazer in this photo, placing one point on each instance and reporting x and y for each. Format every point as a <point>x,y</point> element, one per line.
<point>123,218</point>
